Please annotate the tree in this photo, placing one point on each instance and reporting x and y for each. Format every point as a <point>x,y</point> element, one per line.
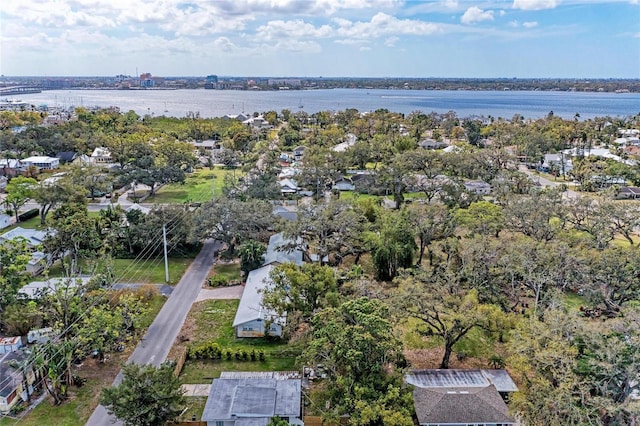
<point>392,246</point>
<point>251,256</point>
<point>14,257</point>
<point>19,190</point>
<point>300,290</point>
<point>51,195</point>
<point>538,215</point>
<point>431,222</point>
<point>74,237</point>
<point>332,229</point>
<point>544,362</point>
<point>356,345</point>
<point>147,396</point>
<point>482,217</point>
<point>449,311</point>
<point>233,221</point>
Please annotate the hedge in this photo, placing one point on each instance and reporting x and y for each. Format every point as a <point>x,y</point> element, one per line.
<point>213,351</point>
<point>28,214</point>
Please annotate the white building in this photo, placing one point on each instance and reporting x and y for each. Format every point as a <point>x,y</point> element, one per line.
<point>251,317</point>
<point>42,162</point>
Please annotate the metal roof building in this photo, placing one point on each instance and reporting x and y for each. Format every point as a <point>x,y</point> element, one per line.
<point>247,400</point>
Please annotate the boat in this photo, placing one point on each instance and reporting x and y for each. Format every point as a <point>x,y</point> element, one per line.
<point>165,107</point>
<point>300,104</point>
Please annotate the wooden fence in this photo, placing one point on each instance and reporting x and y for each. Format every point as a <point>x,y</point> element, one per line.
<point>180,362</point>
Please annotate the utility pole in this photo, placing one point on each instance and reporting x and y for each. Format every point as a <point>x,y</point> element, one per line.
<point>166,260</point>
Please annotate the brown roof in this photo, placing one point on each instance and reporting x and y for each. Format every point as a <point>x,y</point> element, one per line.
<point>460,405</point>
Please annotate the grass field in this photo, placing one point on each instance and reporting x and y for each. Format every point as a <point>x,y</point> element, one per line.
<point>211,321</point>
<point>152,271</point>
<point>199,187</point>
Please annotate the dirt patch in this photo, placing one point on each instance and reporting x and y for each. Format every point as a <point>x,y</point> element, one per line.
<point>431,358</point>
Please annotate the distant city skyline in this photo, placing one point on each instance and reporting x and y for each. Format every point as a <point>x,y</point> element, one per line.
<point>331,38</point>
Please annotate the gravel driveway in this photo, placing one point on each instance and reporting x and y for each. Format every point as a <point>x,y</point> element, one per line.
<point>233,292</point>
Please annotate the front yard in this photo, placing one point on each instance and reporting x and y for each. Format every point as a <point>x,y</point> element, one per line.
<point>211,321</point>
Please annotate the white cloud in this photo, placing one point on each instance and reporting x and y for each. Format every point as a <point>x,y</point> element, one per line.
<point>502,13</point>
<point>391,41</point>
<point>365,48</point>
<point>275,30</point>
<point>382,25</point>
<point>530,24</point>
<point>534,4</point>
<point>450,4</point>
<point>514,24</point>
<point>475,14</point>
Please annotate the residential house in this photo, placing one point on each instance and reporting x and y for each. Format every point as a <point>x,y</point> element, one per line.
<point>5,220</point>
<point>559,163</point>
<point>629,192</point>
<point>461,397</point>
<point>252,319</point>
<point>348,143</point>
<point>288,172</point>
<point>478,187</point>
<point>101,155</point>
<point>10,167</point>
<point>277,251</point>
<point>285,213</point>
<point>37,289</point>
<point>14,383</point>
<point>252,399</point>
<point>42,162</point>
<point>258,122</point>
<point>298,152</point>
<point>67,156</point>
<point>288,186</point>
<point>10,344</point>
<point>344,184</point>
<point>238,117</point>
<point>432,144</point>
<point>34,239</point>
<point>3,183</point>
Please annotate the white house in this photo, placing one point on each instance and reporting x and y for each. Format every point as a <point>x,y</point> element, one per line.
<point>478,187</point>
<point>42,162</point>
<point>288,186</point>
<point>33,237</point>
<point>36,289</point>
<point>5,220</point>
<point>252,318</point>
<point>101,155</point>
<point>276,252</point>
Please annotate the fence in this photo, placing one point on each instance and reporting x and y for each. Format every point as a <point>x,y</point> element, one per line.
<point>180,362</point>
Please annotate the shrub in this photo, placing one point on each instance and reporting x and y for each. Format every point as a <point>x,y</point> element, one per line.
<point>28,214</point>
<point>218,281</point>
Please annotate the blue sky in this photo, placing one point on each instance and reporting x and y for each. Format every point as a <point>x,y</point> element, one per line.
<point>343,38</point>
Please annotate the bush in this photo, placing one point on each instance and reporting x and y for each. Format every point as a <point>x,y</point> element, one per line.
<point>212,351</point>
<point>28,214</point>
<point>218,281</point>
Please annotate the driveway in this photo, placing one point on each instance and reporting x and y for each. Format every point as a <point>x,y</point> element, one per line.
<point>233,292</point>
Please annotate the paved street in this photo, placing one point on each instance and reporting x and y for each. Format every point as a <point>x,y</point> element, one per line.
<point>155,345</point>
<point>548,183</point>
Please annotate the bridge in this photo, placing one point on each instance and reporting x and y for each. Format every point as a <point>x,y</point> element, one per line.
<point>18,90</point>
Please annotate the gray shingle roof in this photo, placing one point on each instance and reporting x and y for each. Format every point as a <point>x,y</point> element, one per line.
<point>460,405</point>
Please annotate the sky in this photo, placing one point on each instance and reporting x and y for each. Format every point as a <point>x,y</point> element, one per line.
<point>322,38</point>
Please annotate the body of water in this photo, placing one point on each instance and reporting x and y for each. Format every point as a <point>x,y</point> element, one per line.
<point>217,103</point>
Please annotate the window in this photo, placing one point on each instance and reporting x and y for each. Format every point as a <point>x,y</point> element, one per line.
<point>219,423</point>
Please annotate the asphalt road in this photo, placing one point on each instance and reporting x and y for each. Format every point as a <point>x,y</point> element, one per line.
<point>156,343</point>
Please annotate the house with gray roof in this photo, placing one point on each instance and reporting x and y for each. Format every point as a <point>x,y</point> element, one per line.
<point>33,237</point>
<point>12,382</point>
<point>278,253</point>
<point>252,319</point>
<point>461,397</point>
<point>245,400</point>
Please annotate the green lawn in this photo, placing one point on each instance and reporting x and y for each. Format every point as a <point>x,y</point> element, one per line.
<point>152,271</point>
<point>212,321</point>
<point>228,271</point>
<point>198,187</point>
